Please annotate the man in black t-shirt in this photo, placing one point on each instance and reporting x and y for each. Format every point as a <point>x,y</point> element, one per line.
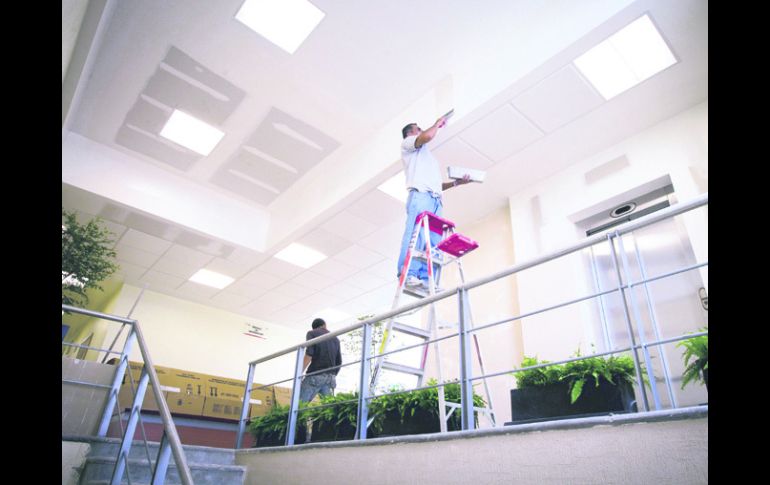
<point>320,356</point>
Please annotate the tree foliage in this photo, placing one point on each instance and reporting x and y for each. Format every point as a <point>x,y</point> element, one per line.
<point>86,258</point>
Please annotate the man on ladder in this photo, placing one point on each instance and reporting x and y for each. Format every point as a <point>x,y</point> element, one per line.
<point>423,181</point>
<point>424,207</point>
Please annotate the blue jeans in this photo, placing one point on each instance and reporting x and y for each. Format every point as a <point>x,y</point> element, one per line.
<point>322,384</point>
<point>416,203</point>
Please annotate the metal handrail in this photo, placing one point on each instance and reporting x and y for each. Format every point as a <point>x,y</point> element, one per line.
<point>168,424</point>
<point>462,290</point>
<point>644,221</point>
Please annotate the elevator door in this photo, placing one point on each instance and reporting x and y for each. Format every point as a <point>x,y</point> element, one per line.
<point>657,310</point>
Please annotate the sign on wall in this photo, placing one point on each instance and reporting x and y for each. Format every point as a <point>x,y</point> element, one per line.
<point>254,330</point>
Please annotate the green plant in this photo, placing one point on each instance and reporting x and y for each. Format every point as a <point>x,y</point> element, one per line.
<point>615,370</point>
<point>697,348</point>
<point>86,258</point>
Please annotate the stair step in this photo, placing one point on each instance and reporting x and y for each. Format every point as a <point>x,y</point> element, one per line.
<point>405,369</point>
<point>195,454</point>
<point>98,469</point>
<point>408,329</point>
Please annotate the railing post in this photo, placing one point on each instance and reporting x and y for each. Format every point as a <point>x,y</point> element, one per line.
<point>117,380</point>
<point>363,383</point>
<point>161,464</point>
<point>466,369</point>
<point>291,427</point>
<point>640,323</point>
<point>245,408</point>
<point>128,437</point>
<point>637,366</point>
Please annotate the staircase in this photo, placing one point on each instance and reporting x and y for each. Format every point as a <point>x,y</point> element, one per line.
<point>209,466</point>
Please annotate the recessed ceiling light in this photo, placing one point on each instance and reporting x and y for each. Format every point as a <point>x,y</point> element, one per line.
<point>300,255</point>
<point>285,23</point>
<point>210,278</point>
<point>625,59</point>
<point>395,187</point>
<point>191,132</point>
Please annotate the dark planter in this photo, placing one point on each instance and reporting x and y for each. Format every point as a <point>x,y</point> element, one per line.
<point>543,403</point>
<point>421,422</point>
<point>330,432</point>
<point>274,438</point>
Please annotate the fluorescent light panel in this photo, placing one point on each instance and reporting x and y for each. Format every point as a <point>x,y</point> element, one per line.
<point>191,133</point>
<point>211,278</point>
<point>300,255</point>
<point>395,187</point>
<point>625,59</point>
<point>285,23</point>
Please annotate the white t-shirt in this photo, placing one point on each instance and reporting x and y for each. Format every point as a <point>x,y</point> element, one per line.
<point>421,168</point>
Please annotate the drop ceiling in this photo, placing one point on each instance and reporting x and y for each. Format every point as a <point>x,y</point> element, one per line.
<point>310,135</point>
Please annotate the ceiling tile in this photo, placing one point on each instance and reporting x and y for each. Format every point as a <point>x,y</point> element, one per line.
<point>184,254</point>
<point>175,267</point>
<point>251,292</point>
<point>158,280</point>
<point>386,240</point>
<point>135,256</point>
<point>344,290</point>
<point>196,291</point>
<point>145,242</point>
<point>244,185</point>
<point>230,300</point>
<point>287,316</point>
<point>456,152</point>
<point>131,272</point>
<point>291,141</point>
<point>558,99</point>
<point>76,199</point>
<point>294,290</point>
<point>279,268</point>
<point>334,269</point>
<point>227,268</point>
<point>385,269</point>
<point>185,84</point>
<point>324,241</point>
<point>365,280</point>
<point>349,226</point>
<point>313,280</point>
<point>269,302</point>
<point>246,257</point>
<point>204,244</point>
<point>359,257</point>
<point>501,134</point>
<point>377,207</point>
<point>260,279</point>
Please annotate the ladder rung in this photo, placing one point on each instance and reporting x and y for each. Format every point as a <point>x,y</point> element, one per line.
<point>408,329</point>
<point>435,259</point>
<point>404,369</point>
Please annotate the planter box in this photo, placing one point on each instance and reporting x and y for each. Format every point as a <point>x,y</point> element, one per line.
<point>273,438</point>
<point>544,403</point>
<point>329,432</point>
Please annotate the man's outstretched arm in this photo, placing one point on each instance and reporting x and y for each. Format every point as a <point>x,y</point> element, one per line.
<point>428,134</point>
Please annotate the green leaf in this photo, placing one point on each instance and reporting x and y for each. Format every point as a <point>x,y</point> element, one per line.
<point>577,388</point>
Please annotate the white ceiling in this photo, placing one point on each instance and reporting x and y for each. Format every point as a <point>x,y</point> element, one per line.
<point>310,135</point>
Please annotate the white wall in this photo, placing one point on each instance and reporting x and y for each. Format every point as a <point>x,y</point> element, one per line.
<point>204,339</point>
<point>540,221</point>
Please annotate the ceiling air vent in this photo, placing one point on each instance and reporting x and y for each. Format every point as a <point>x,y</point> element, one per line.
<point>623,210</point>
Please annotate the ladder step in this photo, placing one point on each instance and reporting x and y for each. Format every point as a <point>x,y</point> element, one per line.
<point>457,245</point>
<point>435,223</point>
<point>408,329</point>
<point>404,369</point>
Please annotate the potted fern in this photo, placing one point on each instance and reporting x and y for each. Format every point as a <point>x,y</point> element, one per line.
<point>697,350</point>
<point>588,387</point>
